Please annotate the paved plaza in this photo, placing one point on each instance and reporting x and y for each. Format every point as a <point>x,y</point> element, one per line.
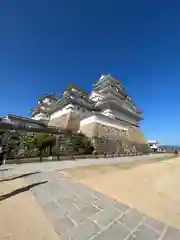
<point>77,212</point>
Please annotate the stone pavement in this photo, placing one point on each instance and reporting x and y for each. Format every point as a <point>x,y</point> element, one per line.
<point>78,212</point>
<point>59,165</point>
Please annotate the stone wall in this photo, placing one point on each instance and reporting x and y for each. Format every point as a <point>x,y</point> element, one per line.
<point>112,140</point>
<point>105,138</point>
<point>68,121</point>
<point>137,139</point>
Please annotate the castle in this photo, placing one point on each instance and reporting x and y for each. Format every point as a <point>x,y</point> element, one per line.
<point>107,115</point>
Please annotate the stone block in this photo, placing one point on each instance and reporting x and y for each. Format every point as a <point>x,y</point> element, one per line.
<point>63,225</point>
<point>171,234</point>
<point>85,191</point>
<point>145,233</point>
<point>43,196</point>
<point>104,202</point>
<point>155,224</point>
<point>53,211</point>
<point>132,218</point>
<point>121,207</point>
<point>56,211</point>
<point>67,207</point>
<point>89,130</point>
<point>105,217</point>
<point>69,121</point>
<point>80,216</point>
<point>82,202</point>
<point>85,231</point>
<point>113,232</point>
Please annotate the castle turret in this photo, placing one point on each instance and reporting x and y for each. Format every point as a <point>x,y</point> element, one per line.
<point>109,95</point>
<point>115,123</point>
<point>44,105</point>
<point>71,109</point>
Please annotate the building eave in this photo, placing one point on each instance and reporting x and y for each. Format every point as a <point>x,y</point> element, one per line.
<point>75,101</point>
<point>112,104</point>
<point>50,96</point>
<point>15,117</point>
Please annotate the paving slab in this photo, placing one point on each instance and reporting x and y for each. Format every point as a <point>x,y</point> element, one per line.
<point>171,234</point>
<point>131,218</point>
<point>106,216</point>
<point>80,216</point>
<point>155,224</point>
<point>84,231</point>
<point>116,231</point>
<point>146,233</point>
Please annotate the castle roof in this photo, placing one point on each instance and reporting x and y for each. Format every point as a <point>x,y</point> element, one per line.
<point>51,96</point>
<point>26,119</point>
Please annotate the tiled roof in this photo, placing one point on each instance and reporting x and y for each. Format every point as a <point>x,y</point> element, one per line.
<point>51,96</point>
<point>12,116</point>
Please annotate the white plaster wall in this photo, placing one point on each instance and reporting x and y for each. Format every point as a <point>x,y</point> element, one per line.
<point>113,113</point>
<point>104,121</point>
<point>62,111</point>
<point>43,107</point>
<point>95,96</point>
<point>48,101</point>
<point>40,116</point>
<point>82,111</point>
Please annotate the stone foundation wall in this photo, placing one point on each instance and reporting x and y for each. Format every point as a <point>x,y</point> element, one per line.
<point>69,121</point>
<point>137,139</point>
<point>104,138</point>
<point>111,140</point>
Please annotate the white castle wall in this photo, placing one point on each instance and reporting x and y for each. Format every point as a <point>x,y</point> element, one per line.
<point>87,116</point>
<point>114,113</point>
<point>90,117</point>
<point>82,111</point>
<point>104,121</point>
<point>40,116</point>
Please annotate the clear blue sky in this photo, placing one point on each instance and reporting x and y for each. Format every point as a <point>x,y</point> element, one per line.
<point>44,45</point>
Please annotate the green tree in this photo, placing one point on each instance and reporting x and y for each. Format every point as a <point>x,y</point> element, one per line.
<point>28,143</point>
<point>11,143</point>
<point>44,141</point>
<point>79,143</point>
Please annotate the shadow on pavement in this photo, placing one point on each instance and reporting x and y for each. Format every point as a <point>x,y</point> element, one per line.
<point>5,169</point>
<point>19,176</point>
<point>20,190</point>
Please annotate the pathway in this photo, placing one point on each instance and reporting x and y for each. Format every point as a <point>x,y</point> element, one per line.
<point>77,212</point>
<point>59,165</point>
